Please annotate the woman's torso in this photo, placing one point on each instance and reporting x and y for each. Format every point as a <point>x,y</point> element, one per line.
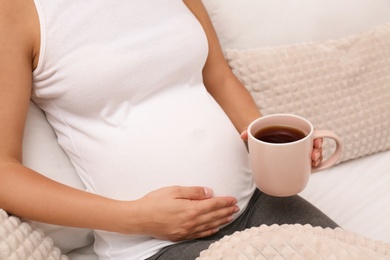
<point>121,84</point>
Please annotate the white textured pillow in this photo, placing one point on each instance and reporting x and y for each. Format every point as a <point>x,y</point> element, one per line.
<point>19,241</point>
<point>295,242</point>
<point>42,153</point>
<point>341,85</point>
<point>257,23</point>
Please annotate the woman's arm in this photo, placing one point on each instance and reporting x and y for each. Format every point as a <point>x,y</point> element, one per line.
<point>24,192</point>
<point>219,80</point>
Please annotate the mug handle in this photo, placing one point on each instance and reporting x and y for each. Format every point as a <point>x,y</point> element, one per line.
<point>335,157</point>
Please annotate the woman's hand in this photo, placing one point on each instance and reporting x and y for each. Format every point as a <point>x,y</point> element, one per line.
<point>316,155</point>
<point>180,213</point>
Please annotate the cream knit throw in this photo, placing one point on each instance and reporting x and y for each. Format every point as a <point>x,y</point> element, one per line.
<point>295,242</point>
<point>19,241</point>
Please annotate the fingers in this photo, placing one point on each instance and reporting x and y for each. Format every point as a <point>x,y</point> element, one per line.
<point>217,218</point>
<point>215,208</point>
<point>201,225</point>
<point>317,162</point>
<point>318,143</point>
<point>202,193</point>
<point>207,209</point>
<point>207,215</point>
<point>215,212</point>
<point>244,135</point>
<point>184,213</point>
<point>191,193</point>
<point>316,155</point>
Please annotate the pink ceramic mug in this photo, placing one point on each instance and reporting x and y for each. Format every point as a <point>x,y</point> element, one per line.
<point>282,167</point>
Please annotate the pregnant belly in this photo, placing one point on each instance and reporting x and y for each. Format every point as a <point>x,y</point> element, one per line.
<point>162,145</point>
<point>192,157</point>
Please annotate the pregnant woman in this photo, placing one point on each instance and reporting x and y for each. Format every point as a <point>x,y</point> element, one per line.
<point>151,116</point>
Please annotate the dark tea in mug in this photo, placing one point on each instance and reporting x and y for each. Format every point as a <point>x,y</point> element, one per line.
<point>279,134</point>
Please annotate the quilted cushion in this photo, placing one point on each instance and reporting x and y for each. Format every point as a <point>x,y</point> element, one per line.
<point>341,85</point>
<point>295,242</point>
<point>19,241</point>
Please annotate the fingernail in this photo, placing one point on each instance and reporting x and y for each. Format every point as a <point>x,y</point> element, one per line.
<point>318,162</point>
<point>207,192</point>
<point>317,156</point>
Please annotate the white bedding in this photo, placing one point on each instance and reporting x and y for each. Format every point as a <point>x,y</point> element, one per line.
<point>356,194</point>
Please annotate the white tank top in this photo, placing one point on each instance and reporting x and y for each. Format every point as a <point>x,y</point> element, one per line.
<point>121,84</point>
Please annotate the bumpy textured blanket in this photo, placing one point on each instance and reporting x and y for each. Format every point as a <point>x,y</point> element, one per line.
<point>19,241</point>
<point>295,242</point>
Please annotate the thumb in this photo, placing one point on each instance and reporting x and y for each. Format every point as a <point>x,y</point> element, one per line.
<point>244,135</point>
<point>193,193</point>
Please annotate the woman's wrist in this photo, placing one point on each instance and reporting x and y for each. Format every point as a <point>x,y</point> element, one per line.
<point>243,132</point>
<point>126,219</point>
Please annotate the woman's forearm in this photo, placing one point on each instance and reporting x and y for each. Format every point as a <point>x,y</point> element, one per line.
<point>236,101</point>
<point>30,195</point>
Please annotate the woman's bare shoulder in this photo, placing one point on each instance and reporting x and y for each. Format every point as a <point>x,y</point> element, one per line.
<point>19,27</point>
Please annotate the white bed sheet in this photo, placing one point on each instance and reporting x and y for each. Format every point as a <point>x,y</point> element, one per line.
<point>356,194</point>
<point>85,253</point>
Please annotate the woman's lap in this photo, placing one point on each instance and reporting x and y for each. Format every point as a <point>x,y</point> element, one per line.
<point>262,209</point>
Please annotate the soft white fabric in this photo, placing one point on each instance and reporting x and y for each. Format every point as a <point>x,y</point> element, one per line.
<point>129,120</point>
<point>295,242</point>
<point>84,253</point>
<point>19,241</point>
<point>341,85</point>
<point>356,195</point>
<point>246,24</point>
<point>42,153</point>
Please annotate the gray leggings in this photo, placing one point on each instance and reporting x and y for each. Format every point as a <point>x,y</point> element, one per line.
<point>262,209</point>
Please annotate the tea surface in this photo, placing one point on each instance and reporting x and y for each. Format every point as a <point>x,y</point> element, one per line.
<point>279,134</point>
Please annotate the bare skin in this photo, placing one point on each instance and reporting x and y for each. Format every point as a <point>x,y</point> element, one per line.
<point>184,212</point>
